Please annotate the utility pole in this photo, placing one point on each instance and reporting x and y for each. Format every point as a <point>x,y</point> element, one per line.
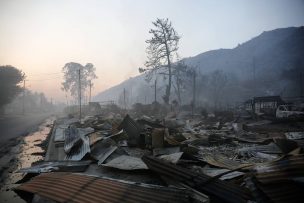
<point>79,94</point>
<point>23,99</point>
<point>155,91</point>
<point>90,90</point>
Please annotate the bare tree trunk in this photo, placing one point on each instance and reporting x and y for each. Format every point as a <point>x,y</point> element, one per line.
<point>168,90</point>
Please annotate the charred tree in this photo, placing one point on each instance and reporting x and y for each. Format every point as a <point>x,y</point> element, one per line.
<point>161,49</point>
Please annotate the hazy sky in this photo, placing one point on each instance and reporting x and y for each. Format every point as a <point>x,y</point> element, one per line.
<point>40,36</point>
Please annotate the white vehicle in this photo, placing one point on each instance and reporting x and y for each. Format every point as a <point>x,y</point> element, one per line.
<point>289,111</point>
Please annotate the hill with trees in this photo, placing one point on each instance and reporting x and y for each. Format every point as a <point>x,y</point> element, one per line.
<point>269,64</point>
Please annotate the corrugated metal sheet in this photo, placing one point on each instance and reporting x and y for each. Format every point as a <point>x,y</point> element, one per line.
<point>287,191</point>
<point>171,140</point>
<point>216,189</point>
<point>254,140</point>
<point>125,162</point>
<point>276,179</point>
<point>132,129</point>
<point>172,158</point>
<point>152,124</point>
<point>64,166</point>
<point>281,170</point>
<point>300,143</point>
<point>294,135</point>
<point>73,137</point>
<point>76,154</point>
<point>70,121</point>
<point>271,148</point>
<point>221,161</point>
<point>60,133</point>
<point>103,149</point>
<point>217,172</point>
<point>257,193</point>
<point>63,187</point>
<point>165,150</point>
<point>95,137</point>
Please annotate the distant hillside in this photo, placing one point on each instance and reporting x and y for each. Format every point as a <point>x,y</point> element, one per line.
<point>263,59</point>
<point>271,51</point>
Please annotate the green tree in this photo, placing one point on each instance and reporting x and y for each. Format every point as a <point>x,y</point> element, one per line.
<point>71,78</point>
<point>10,79</point>
<point>161,50</point>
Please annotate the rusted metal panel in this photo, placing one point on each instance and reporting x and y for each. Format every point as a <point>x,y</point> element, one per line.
<point>277,179</point>
<point>281,170</point>
<point>216,189</point>
<point>77,188</point>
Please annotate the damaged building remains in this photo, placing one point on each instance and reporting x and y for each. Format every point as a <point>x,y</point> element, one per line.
<point>151,101</point>
<point>184,157</point>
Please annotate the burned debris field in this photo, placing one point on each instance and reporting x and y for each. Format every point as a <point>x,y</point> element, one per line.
<point>119,156</point>
<point>151,101</point>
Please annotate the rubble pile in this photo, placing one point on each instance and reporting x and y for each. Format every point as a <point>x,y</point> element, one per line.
<point>114,158</point>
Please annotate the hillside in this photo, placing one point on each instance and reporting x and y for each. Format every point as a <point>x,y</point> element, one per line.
<point>264,58</point>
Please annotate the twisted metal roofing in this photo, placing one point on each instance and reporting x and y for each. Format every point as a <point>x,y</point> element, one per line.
<point>67,187</point>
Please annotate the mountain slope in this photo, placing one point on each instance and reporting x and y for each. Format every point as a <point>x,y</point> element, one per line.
<point>264,58</point>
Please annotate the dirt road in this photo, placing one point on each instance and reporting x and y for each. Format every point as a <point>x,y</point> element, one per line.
<point>15,126</point>
<point>21,152</point>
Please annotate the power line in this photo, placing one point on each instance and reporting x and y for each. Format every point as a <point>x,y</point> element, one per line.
<point>44,79</point>
<point>39,74</point>
<point>28,76</point>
